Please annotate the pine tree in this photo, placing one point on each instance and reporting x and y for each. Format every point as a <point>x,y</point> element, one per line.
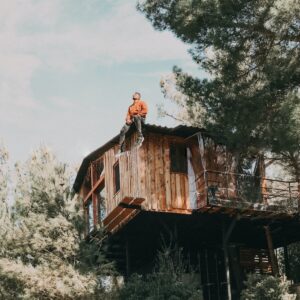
<point>266,287</point>
<point>5,224</point>
<point>250,51</point>
<point>42,255</point>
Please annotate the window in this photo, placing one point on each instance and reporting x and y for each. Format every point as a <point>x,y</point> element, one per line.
<point>101,203</point>
<point>87,183</point>
<point>98,169</point>
<point>178,158</point>
<point>116,177</point>
<point>90,215</point>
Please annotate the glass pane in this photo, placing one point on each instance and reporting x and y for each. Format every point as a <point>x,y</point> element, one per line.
<point>101,197</point>
<point>90,215</point>
<point>117,177</point>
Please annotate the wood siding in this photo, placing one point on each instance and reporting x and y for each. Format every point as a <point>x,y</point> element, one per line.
<point>145,173</point>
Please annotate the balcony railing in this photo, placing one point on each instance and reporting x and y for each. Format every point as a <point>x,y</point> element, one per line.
<point>244,191</point>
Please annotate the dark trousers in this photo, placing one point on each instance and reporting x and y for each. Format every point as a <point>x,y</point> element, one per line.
<point>138,121</point>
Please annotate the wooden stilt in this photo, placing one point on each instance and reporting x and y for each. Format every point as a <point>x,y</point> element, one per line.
<point>127,258</point>
<point>207,274</point>
<point>226,235</point>
<point>226,257</point>
<point>271,251</point>
<point>286,261</point>
<point>217,275</point>
<point>199,266</point>
<point>236,269</point>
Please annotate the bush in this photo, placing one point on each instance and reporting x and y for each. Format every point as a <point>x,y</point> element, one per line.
<point>171,280</point>
<point>265,287</point>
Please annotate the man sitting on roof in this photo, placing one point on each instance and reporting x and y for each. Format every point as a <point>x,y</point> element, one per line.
<point>136,114</point>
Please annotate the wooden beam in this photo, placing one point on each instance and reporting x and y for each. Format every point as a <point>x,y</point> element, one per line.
<point>126,209</point>
<point>271,251</point>
<point>97,184</point>
<point>127,254</point>
<point>116,211</point>
<point>226,235</point>
<point>123,218</point>
<point>286,261</point>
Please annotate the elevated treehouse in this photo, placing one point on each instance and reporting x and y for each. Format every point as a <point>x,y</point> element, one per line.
<point>183,179</point>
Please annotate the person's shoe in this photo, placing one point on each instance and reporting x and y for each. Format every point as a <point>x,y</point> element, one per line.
<point>140,141</point>
<point>121,149</point>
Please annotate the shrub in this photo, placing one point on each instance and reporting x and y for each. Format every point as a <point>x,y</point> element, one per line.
<point>265,287</point>
<point>170,280</point>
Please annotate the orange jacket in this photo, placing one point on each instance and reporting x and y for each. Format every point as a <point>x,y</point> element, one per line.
<point>138,108</point>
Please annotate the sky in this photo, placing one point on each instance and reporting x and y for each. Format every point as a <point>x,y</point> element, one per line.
<point>68,69</point>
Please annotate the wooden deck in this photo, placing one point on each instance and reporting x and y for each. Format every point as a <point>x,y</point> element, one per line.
<point>251,214</point>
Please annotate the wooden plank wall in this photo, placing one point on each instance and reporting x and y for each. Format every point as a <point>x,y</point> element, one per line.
<point>145,173</point>
<point>131,183</point>
<point>163,190</point>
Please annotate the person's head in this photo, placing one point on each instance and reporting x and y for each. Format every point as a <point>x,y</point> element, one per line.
<point>136,96</point>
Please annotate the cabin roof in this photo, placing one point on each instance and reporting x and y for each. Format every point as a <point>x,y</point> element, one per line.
<point>181,130</point>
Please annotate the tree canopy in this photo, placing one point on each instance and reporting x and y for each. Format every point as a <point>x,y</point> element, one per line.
<point>43,253</point>
<point>250,50</point>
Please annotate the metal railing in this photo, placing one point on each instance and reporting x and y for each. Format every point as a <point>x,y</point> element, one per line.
<point>246,192</point>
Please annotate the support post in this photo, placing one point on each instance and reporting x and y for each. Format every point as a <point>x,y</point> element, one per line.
<point>235,265</point>
<point>271,251</point>
<point>207,274</point>
<point>127,258</point>
<point>226,235</point>
<point>227,270</point>
<point>217,275</point>
<point>286,261</point>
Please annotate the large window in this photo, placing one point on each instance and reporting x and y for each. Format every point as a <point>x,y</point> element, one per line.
<point>116,177</point>
<point>101,203</point>
<point>90,215</point>
<point>178,158</point>
<point>98,169</point>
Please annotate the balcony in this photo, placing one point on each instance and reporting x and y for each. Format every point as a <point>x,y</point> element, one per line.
<point>219,190</point>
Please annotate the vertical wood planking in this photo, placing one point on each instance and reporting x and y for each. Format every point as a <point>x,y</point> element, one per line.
<point>107,183</point>
<point>162,171</point>
<point>173,190</point>
<point>187,193</point>
<point>167,173</point>
<point>183,190</point>
<point>152,173</point>
<point>145,172</point>
<point>178,191</point>
<point>148,160</point>
<point>142,170</point>
<point>156,173</point>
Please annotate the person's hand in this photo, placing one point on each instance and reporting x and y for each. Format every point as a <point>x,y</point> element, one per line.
<point>128,122</point>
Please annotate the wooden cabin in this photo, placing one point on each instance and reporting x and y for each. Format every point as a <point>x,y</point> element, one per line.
<point>184,181</point>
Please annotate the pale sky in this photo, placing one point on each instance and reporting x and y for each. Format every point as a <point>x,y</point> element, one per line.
<point>68,69</point>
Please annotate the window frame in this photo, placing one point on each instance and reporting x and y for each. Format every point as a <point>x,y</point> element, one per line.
<point>90,220</point>
<point>180,154</point>
<point>117,183</point>
<point>99,210</point>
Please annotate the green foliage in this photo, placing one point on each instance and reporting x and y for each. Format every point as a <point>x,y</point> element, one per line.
<point>265,287</point>
<point>250,52</point>
<point>44,255</point>
<point>4,192</point>
<point>171,279</point>
<point>93,255</point>
<point>294,261</point>
<point>11,287</point>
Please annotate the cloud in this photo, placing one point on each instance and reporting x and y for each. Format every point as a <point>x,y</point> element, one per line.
<point>120,37</point>
<point>48,36</point>
<point>33,35</point>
